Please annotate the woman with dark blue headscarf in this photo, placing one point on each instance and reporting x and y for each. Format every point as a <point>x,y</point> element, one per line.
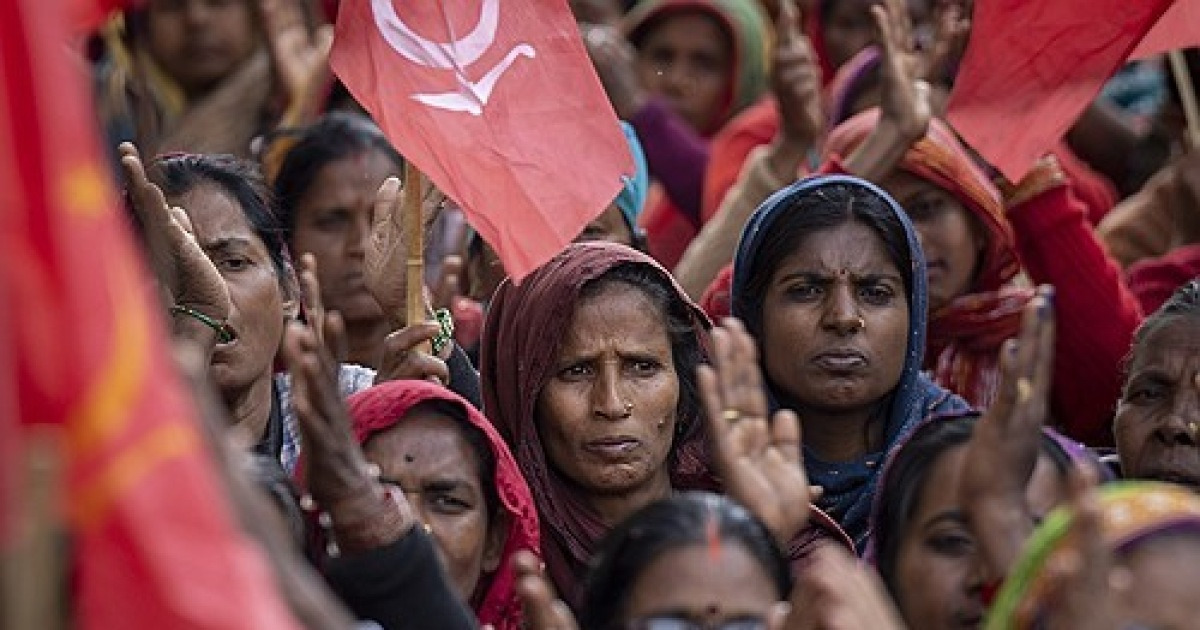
<point>830,279</point>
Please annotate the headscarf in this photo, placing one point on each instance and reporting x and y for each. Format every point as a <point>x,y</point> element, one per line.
<point>385,405</point>
<point>632,198</point>
<point>524,329</point>
<point>965,336</point>
<point>748,29</point>
<point>848,83</point>
<point>1131,512</point>
<point>850,486</point>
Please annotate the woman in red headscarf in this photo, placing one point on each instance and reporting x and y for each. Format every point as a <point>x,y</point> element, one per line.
<point>461,481</point>
<point>976,242</point>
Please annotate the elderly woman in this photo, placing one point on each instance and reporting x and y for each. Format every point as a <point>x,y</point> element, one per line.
<point>589,372</point>
<point>830,279</point>
<point>462,482</point>
<point>1158,417</point>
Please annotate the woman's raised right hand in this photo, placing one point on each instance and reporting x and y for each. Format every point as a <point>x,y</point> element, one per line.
<point>185,273</point>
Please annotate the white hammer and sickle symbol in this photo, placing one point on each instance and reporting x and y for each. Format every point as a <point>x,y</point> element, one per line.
<point>456,55</point>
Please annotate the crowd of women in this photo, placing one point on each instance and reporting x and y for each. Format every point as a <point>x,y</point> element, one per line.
<point>818,365</point>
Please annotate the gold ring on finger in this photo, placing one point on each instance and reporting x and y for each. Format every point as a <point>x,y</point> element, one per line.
<point>1024,390</point>
<point>731,415</point>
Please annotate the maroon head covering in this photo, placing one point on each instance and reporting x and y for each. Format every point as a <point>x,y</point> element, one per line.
<point>525,326</point>
<point>385,405</point>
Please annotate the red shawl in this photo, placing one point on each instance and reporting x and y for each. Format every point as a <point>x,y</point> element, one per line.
<point>386,405</point>
<point>965,335</point>
<point>524,329</point>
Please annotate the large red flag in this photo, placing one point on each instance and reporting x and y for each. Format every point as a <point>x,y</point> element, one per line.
<point>1178,28</point>
<point>497,102</point>
<point>154,542</point>
<point>1032,67</point>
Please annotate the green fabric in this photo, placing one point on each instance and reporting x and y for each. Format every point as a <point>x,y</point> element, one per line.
<point>747,22</point>
<point>1021,582</point>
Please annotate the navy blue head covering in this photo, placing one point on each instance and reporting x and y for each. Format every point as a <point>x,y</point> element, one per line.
<point>850,486</point>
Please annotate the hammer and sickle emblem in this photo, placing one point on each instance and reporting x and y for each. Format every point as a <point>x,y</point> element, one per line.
<point>456,55</point>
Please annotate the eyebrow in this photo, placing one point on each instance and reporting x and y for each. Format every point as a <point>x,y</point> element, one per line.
<point>819,277</point>
<point>953,516</point>
<point>441,484</point>
<point>228,243</point>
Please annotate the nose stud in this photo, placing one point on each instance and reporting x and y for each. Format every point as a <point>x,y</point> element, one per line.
<point>628,407</point>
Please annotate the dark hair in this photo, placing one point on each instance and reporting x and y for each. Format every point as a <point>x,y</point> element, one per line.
<point>480,446</point>
<point>335,136</point>
<point>903,483</point>
<point>241,180</point>
<point>1184,302</point>
<point>816,209</point>
<point>680,521</point>
<point>686,352</point>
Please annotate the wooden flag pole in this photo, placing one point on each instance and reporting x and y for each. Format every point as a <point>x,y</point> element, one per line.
<point>1187,96</point>
<point>33,569</point>
<point>414,241</point>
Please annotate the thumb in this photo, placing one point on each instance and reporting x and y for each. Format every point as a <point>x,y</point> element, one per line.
<point>385,202</point>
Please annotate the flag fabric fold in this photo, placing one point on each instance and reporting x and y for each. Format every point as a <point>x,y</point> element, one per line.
<point>154,542</point>
<point>497,103</point>
<point>1031,68</point>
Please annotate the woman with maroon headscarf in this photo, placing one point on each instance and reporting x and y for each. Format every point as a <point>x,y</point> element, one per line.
<point>589,372</point>
<point>462,482</point>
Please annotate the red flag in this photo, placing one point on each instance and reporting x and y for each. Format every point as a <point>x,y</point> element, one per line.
<point>1178,28</point>
<point>1032,67</point>
<point>153,540</point>
<point>497,103</point>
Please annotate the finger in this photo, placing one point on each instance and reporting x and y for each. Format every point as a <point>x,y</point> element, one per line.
<point>750,398</point>
<point>1006,396</point>
<point>902,24</point>
<point>1043,374</point>
<point>785,436</point>
<point>543,611</point>
<point>787,25</point>
<point>148,200</point>
<point>718,425</point>
<point>884,30</point>
<point>387,200</point>
<point>180,217</point>
<point>411,337</point>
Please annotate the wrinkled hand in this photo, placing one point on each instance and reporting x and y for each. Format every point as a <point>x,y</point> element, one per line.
<point>1184,195</point>
<point>796,79</point>
<point>836,592</point>
<point>184,272</point>
<point>615,62</point>
<point>905,101</point>
<point>950,35</point>
<point>405,356</point>
<point>1006,443</point>
<point>300,57</point>
<point>336,470</point>
<point>758,459</point>
<point>384,266</point>
<point>310,298</point>
<point>543,611</point>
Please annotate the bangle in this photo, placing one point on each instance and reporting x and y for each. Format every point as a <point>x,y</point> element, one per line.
<point>224,334</point>
<point>446,333</point>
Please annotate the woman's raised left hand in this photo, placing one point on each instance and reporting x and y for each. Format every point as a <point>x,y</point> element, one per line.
<point>757,457</point>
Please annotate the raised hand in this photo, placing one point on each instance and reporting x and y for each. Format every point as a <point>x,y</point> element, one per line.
<point>1006,443</point>
<point>614,59</point>
<point>796,83</point>
<point>543,611</point>
<point>836,592</point>
<point>758,458</point>
<point>950,36</point>
<point>186,276</point>
<point>1081,577</point>
<point>365,515</point>
<point>905,100</point>
<point>299,56</point>
<point>386,256</point>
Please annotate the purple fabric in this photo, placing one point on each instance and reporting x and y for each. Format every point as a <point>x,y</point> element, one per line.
<point>677,155</point>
